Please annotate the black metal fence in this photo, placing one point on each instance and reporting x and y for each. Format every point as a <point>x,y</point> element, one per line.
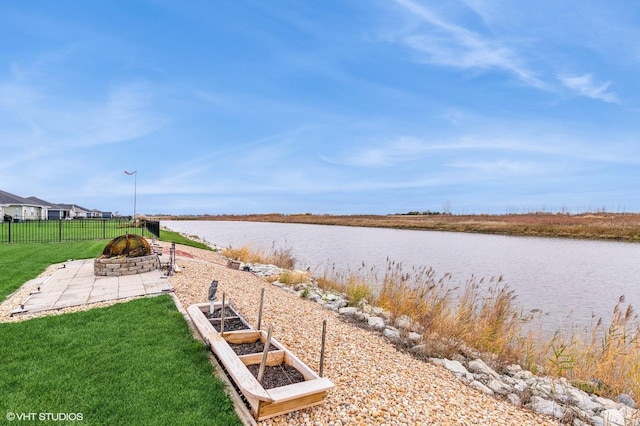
<point>44,231</point>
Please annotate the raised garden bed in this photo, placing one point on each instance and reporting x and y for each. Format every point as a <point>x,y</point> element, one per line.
<point>287,385</point>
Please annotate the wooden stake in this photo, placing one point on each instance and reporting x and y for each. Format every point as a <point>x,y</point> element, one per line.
<point>324,334</point>
<point>260,309</point>
<point>222,317</point>
<point>263,363</point>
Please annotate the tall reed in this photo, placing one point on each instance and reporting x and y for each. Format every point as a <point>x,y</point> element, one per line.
<point>482,317</point>
<point>603,358</point>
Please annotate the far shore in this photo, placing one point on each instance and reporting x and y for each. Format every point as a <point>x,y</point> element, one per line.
<point>598,226</point>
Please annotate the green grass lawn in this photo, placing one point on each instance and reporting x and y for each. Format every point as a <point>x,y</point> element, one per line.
<point>133,363</point>
<point>174,237</point>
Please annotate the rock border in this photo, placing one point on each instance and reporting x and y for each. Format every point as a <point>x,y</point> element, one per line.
<point>554,397</point>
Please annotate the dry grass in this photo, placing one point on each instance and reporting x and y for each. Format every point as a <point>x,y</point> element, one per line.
<point>602,358</point>
<point>597,225</point>
<point>294,277</point>
<point>483,316</point>
<point>353,286</point>
<point>280,257</point>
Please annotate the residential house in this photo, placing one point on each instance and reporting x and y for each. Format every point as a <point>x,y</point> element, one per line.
<point>19,208</point>
<point>73,211</point>
<point>53,211</point>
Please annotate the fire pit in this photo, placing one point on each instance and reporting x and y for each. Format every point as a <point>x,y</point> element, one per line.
<point>126,255</point>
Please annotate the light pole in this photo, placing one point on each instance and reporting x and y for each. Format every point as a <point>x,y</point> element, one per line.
<point>135,189</point>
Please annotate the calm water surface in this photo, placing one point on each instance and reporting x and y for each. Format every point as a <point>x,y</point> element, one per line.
<point>559,276</point>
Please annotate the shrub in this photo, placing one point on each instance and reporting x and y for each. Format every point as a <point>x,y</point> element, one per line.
<point>293,277</point>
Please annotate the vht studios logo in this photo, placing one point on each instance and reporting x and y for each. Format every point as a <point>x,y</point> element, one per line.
<point>52,417</point>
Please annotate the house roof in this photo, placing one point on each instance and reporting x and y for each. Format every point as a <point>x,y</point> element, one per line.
<point>43,203</point>
<point>7,198</point>
<point>71,206</point>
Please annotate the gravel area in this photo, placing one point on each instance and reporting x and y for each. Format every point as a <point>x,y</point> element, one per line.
<point>375,383</point>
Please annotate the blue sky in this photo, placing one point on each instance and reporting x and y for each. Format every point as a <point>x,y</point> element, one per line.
<point>340,106</point>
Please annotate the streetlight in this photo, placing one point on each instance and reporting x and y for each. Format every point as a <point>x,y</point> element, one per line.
<point>135,188</point>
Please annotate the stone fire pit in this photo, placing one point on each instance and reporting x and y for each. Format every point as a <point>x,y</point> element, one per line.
<point>126,255</point>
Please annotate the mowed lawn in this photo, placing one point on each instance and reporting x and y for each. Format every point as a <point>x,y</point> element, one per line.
<point>133,363</point>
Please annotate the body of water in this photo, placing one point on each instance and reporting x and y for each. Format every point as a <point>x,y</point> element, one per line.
<point>561,277</point>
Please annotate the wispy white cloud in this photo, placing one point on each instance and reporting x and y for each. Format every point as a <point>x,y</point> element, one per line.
<point>585,85</point>
<point>389,153</point>
<point>510,167</point>
<point>455,46</point>
<point>40,122</point>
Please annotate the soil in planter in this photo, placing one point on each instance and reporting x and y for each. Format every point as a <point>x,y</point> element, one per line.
<point>277,375</point>
<point>230,324</point>
<point>250,348</point>
<point>228,312</point>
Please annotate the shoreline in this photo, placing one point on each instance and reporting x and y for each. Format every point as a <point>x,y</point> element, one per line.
<point>594,226</point>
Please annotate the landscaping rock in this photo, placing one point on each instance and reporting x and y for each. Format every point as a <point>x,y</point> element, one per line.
<point>391,333</point>
<point>350,310</point>
<point>498,387</point>
<point>377,323</point>
<point>403,321</point>
<point>414,337</point>
<point>626,400</point>
<point>480,387</point>
<point>613,418</point>
<point>478,366</point>
<point>546,407</point>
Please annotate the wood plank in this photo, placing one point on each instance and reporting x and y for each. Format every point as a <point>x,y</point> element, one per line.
<point>297,390</point>
<point>296,363</point>
<point>251,336</point>
<point>273,358</point>
<point>241,375</point>
<point>242,336</point>
<point>272,409</point>
<point>200,321</point>
<point>204,307</point>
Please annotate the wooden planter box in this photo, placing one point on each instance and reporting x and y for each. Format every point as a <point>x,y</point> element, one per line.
<point>265,403</point>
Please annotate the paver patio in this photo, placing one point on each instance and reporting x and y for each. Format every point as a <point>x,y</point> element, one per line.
<point>76,284</point>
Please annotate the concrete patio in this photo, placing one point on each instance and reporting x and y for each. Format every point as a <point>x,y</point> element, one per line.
<point>76,284</point>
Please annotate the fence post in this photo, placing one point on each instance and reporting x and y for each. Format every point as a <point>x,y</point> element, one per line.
<point>9,235</point>
<point>104,229</point>
<point>59,230</point>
